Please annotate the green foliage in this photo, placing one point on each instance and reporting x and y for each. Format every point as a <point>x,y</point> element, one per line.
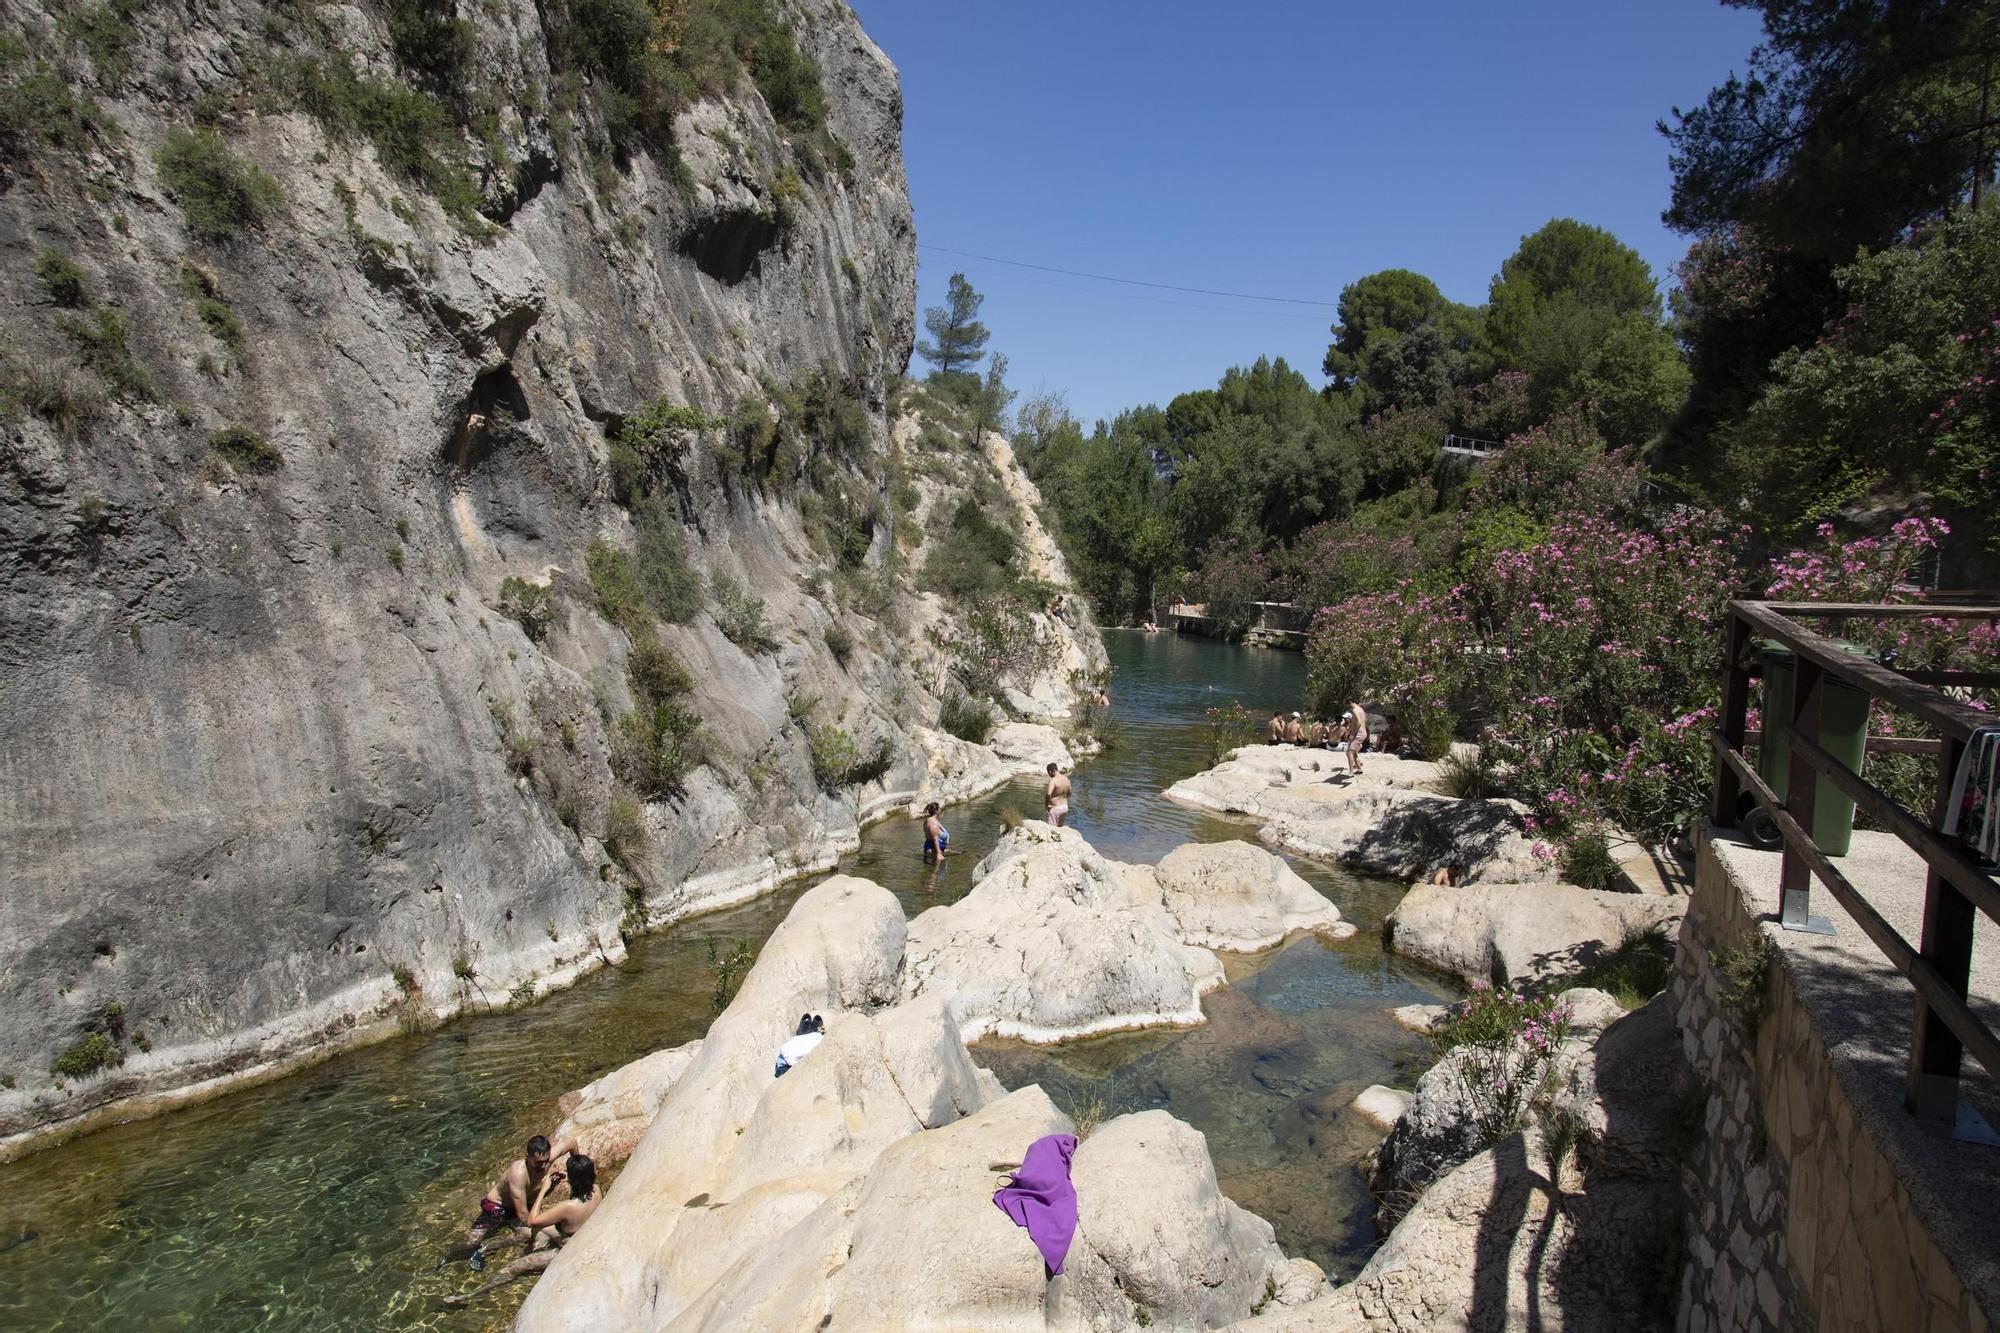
<point>669,584</point>
<point>1229,727</point>
<point>1468,778</point>
<point>522,995</point>
<point>957,338</point>
<point>654,674</point>
<point>1400,343</point>
<point>413,134</point>
<point>61,279</point>
<point>840,642</point>
<point>967,718</point>
<point>108,33</point>
<point>729,969</point>
<point>220,192</point>
<point>530,603</point>
<point>833,753</point>
<point>463,967</point>
<point>740,615</point>
<point>613,579</point>
<point>625,836</point>
<point>1637,970</point>
<point>1585,860</point>
<point>1509,1045</point>
<point>651,444</point>
<point>656,745</point>
<point>1744,967</point>
<point>245,450</point>
<point>975,554</point>
<point>40,109</point>
<point>95,1052</point>
<point>100,338</point>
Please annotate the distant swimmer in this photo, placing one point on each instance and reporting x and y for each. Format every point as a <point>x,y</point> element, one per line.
<point>1055,797</point>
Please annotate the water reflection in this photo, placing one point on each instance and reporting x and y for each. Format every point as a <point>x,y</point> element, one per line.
<point>325,1200</point>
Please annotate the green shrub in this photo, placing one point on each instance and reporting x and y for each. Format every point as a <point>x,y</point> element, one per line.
<point>625,835</point>
<point>1745,967</point>
<point>532,604</point>
<point>463,967</point>
<point>413,134</point>
<point>974,555</point>
<point>1468,779</point>
<point>840,642</point>
<point>395,555</point>
<point>1637,970</point>
<point>220,192</point>
<point>619,594</point>
<point>833,755</point>
<point>245,450</point>
<point>740,615</point>
<point>107,31</point>
<point>1586,861</point>
<point>52,392</point>
<point>522,995</point>
<point>95,1052</point>
<point>100,340</point>
<point>850,272</point>
<point>655,748</point>
<point>40,109</point>
<point>668,582</point>
<point>654,674</point>
<point>61,279</point>
<point>967,718</point>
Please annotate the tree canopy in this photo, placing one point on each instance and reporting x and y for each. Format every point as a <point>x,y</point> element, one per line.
<point>957,339</point>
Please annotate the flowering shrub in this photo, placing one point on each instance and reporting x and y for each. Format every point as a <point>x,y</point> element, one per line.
<point>1232,581</point>
<point>1509,1046</point>
<point>1402,648</point>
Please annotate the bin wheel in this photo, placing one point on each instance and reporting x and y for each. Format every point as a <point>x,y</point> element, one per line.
<point>1761,829</point>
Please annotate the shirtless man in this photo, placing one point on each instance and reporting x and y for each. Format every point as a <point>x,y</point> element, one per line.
<point>1055,797</point>
<point>1357,737</point>
<point>507,1203</point>
<point>1276,731</point>
<point>1295,731</point>
<point>561,1219</point>
<point>1320,739</point>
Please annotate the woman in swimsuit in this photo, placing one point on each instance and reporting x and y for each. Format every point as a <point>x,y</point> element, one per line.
<point>937,838</point>
<point>549,1225</point>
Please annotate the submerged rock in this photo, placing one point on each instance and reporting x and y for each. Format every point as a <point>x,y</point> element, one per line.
<point>1084,945</point>
<point>1510,933</point>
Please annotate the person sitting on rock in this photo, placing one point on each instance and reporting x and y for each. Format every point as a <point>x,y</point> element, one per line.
<point>811,1031</point>
<point>1295,731</point>
<point>1055,797</point>
<point>937,838</point>
<point>1393,739</point>
<point>547,1225</point>
<point>1276,731</point>
<point>1319,734</point>
<point>1451,874</point>
<point>506,1203</point>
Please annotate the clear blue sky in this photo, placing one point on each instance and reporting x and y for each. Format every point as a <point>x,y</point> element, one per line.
<point>1275,149</point>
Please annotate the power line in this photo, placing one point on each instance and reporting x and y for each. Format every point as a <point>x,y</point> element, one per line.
<point>1099,292</point>
<point>1129,282</point>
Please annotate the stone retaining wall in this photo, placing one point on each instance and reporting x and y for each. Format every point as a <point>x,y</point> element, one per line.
<point>1796,1219</point>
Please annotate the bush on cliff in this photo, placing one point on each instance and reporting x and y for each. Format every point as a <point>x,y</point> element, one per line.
<point>221,193</point>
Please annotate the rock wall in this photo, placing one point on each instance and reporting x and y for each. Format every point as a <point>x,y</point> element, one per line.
<point>1797,1220</point>
<point>281,769</point>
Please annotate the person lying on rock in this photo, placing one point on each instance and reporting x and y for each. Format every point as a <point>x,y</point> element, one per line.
<point>547,1225</point>
<point>937,838</point>
<point>812,1028</point>
<point>1055,797</point>
<point>506,1203</point>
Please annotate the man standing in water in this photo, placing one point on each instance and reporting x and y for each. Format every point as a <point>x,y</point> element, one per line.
<point>1055,797</point>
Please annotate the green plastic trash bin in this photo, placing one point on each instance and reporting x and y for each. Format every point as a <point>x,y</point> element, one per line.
<point>1843,733</point>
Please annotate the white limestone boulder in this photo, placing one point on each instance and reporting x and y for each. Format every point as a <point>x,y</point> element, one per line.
<point>1233,896</point>
<point>1381,1106</point>
<point>1030,747</point>
<point>956,770</point>
<point>1054,942</point>
<point>837,952</point>
<point>607,1118</point>
<point>1156,1239</point>
<point>1508,933</point>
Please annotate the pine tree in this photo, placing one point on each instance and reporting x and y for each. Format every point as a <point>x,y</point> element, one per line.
<point>958,338</point>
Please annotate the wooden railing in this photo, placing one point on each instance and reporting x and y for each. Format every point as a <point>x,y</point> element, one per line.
<point>1957,886</point>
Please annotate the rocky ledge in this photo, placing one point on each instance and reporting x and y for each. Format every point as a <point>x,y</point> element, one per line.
<point>751,1201</point>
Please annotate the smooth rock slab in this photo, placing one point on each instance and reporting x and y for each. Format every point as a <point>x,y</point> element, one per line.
<point>607,1118</point>
<point>1233,896</point>
<point>1508,933</point>
<point>1381,1106</point>
<point>1056,941</point>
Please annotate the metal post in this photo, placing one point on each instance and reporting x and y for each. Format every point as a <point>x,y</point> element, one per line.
<point>1802,802</point>
<point>1735,707</point>
<point>1931,1093</point>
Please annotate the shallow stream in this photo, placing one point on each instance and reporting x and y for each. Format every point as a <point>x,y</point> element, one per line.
<point>324,1200</point>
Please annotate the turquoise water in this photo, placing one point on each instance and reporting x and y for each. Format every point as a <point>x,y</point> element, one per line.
<point>325,1200</point>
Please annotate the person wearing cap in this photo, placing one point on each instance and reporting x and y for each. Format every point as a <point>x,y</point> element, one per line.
<point>1295,730</point>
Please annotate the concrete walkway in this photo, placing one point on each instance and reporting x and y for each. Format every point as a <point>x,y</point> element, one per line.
<point>1861,1008</point>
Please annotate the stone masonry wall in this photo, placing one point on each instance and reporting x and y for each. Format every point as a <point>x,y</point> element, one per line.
<point>1797,1220</point>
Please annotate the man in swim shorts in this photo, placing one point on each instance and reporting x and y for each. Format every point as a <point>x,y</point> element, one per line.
<point>1055,797</point>
<point>937,838</point>
<point>507,1202</point>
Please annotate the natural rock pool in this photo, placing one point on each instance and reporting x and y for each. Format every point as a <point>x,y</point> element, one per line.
<point>325,1200</point>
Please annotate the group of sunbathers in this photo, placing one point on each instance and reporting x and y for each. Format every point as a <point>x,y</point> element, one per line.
<point>1349,734</point>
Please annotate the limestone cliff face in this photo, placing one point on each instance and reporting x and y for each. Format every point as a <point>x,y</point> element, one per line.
<point>278,768</point>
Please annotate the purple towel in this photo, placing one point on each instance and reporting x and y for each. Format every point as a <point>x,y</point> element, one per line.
<point>1042,1199</point>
